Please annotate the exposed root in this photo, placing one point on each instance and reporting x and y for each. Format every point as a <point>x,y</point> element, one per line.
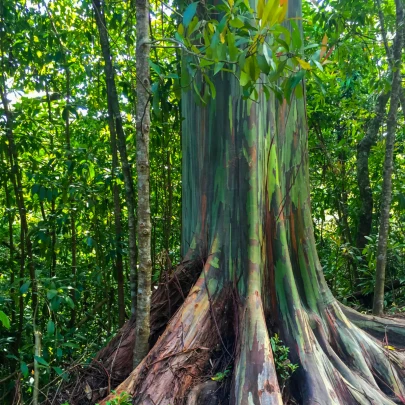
<point>255,379</point>
<point>341,364</point>
<point>113,363</point>
<point>384,329</point>
<point>181,356</point>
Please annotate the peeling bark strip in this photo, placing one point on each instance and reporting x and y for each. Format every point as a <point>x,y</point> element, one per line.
<point>142,165</point>
<point>386,193</point>
<point>246,199</point>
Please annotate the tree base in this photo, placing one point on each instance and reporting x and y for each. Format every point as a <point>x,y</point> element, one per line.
<point>338,362</point>
<point>113,364</point>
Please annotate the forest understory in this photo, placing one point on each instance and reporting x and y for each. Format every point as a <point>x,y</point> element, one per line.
<point>194,371</point>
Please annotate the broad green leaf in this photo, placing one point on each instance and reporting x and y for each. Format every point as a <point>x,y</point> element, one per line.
<point>55,303</point>
<point>72,345</point>
<point>292,83</point>
<point>70,302</point>
<point>206,62</point>
<point>244,78</point>
<point>155,67</point>
<point>218,67</point>
<point>269,8</point>
<point>285,34</point>
<point>263,65</point>
<point>24,369</point>
<point>51,293</point>
<point>40,360</point>
<point>296,35</point>
<point>283,44</point>
<point>211,85</point>
<point>4,320</point>
<point>24,288</point>
<point>50,327</point>
<point>58,370</point>
<point>189,13</point>
<point>233,50</point>
<point>260,8</point>
<point>42,193</point>
<point>268,54</point>
<point>236,22</point>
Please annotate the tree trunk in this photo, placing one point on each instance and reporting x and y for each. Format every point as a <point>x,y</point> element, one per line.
<point>69,155</point>
<point>142,329</point>
<point>113,103</point>
<point>52,267</point>
<point>246,204</point>
<point>117,224</point>
<point>363,175</point>
<point>10,217</point>
<point>16,179</point>
<point>386,193</point>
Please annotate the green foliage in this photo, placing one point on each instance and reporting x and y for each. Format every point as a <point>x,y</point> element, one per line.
<point>339,112</point>
<point>284,367</point>
<point>123,399</point>
<point>5,321</point>
<point>249,43</point>
<point>340,56</point>
<point>221,375</point>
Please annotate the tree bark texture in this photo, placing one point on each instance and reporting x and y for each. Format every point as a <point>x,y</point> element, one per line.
<point>114,109</point>
<point>386,194</point>
<point>119,265</point>
<point>246,204</point>
<point>363,174</point>
<point>142,329</point>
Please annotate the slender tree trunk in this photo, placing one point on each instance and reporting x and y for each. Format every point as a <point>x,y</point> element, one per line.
<point>386,194</point>
<point>18,190</point>
<point>52,268</point>
<point>117,223</point>
<point>71,198</point>
<point>53,240</point>
<point>112,100</point>
<point>142,330</point>
<point>363,175</point>
<point>38,353</point>
<point>169,209</point>
<point>10,218</point>
<point>21,298</point>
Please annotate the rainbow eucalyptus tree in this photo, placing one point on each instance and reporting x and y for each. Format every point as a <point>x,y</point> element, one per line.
<point>247,217</point>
